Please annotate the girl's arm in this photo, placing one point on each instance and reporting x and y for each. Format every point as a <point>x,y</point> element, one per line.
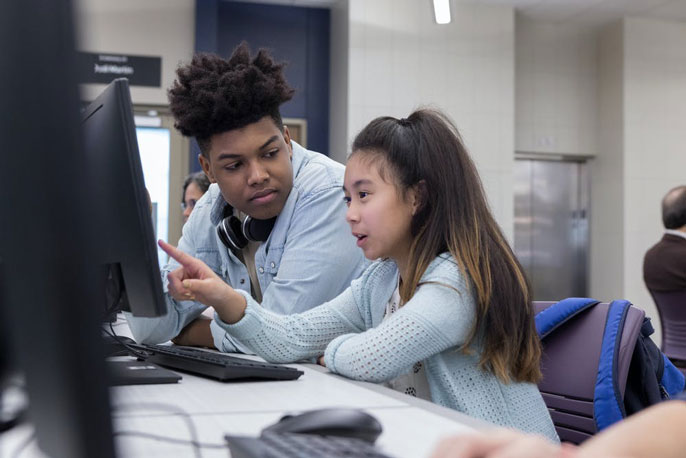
<point>289,338</point>
<point>278,338</point>
<point>437,317</point>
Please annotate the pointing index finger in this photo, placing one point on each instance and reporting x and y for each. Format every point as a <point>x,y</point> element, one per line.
<point>182,258</point>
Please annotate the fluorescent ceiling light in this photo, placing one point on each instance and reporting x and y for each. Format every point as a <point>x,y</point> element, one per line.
<point>442,11</point>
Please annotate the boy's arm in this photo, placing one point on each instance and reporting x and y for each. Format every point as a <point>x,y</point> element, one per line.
<point>179,313</point>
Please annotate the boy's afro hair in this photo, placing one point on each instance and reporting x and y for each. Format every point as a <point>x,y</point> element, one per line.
<point>212,95</point>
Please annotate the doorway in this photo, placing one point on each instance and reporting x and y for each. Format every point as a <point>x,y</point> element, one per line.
<point>164,157</point>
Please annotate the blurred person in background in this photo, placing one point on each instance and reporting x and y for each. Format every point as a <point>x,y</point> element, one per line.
<point>194,186</point>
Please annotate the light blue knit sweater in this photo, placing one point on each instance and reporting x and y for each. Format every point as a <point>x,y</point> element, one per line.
<point>357,343</point>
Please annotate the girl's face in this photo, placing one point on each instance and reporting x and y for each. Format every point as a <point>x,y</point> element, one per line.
<point>378,214</point>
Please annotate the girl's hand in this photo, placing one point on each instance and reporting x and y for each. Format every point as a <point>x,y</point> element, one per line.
<point>195,281</point>
<point>320,361</point>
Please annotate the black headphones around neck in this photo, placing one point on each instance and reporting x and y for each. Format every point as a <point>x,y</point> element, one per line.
<point>236,235</point>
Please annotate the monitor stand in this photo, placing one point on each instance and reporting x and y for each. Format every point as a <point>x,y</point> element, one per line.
<point>134,372</point>
<point>127,371</point>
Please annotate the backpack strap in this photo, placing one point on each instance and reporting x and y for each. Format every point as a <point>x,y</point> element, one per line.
<point>608,405</point>
<point>551,318</point>
<point>672,380</point>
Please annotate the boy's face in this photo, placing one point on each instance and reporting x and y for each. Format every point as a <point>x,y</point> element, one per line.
<point>252,166</point>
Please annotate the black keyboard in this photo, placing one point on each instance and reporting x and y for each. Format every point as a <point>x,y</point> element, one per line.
<point>219,366</point>
<point>286,445</point>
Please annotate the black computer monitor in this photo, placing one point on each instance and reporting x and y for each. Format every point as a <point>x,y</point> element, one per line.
<point>51,235</point>
<point>126,253</point>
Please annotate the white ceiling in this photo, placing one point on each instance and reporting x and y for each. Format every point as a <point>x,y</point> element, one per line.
<point>571,12</point>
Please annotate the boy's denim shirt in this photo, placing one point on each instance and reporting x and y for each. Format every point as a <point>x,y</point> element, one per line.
<point>309,258</point>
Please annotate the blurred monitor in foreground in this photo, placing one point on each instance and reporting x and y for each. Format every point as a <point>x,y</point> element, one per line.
<point>53,239</point>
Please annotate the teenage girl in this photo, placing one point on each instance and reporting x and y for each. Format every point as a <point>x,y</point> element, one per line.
<point>443,313</point>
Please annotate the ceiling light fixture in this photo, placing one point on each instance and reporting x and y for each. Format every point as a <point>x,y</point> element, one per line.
<point>442,11</point>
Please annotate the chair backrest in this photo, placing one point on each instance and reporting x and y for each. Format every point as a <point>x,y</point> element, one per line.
<point>671,306</point>
<point>570,361</point>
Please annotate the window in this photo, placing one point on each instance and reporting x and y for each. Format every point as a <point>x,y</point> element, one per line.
<point>154,146</point>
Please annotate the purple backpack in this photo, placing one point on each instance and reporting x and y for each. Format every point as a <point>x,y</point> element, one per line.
<point>599,364</point>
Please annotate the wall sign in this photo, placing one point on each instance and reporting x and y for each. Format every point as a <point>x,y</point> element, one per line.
<point>103,68</point>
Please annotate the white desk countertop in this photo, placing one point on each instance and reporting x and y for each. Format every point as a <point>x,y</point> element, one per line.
<point>244,409</point>
<point>411,427</point>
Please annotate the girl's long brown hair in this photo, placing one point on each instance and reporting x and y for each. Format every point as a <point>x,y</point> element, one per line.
<point>426,150</point>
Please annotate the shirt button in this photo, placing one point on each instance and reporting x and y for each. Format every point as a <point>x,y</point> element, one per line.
<point>273,265</point>
<point>261,270</point>
<point>242,281</point>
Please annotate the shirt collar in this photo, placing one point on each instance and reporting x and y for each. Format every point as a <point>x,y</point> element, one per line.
<point>217,212</point>
<point>675,232</point>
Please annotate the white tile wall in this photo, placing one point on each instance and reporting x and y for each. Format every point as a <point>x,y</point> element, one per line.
<point>338,95</point>
<point>556,88</point>
<point>163,28</point>
<point>618,94</point>
<point>642,151</point>
<point>655,137</point>
<point>399,59</point>
<point>607,176</point>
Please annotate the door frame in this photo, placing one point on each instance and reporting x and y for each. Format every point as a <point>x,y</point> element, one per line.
<point>179,150</point>
<point>584,196</point>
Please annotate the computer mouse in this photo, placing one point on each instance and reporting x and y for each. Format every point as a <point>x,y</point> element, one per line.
<point>330,422</point>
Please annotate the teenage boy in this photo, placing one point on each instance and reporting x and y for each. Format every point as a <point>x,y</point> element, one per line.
<point>274,222</point>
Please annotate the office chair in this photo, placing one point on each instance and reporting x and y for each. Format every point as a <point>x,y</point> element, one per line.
<point>570,362</point>
<point>671,305</point>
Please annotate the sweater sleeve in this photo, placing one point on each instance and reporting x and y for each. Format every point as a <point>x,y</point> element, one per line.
<point>289,338</point>
<point>439,316</point>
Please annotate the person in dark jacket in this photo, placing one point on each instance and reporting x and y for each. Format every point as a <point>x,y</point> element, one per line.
<point>664,265</point>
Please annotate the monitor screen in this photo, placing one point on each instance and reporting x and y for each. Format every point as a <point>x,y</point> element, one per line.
<point>127,254</point>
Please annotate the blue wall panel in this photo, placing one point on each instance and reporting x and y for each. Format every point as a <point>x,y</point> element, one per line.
<point>299,36</point>
<point>206,25</point>
<point>282,29</point>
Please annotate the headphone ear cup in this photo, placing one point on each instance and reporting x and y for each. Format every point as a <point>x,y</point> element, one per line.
<point>230,233</point>
<point>257,230</point>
